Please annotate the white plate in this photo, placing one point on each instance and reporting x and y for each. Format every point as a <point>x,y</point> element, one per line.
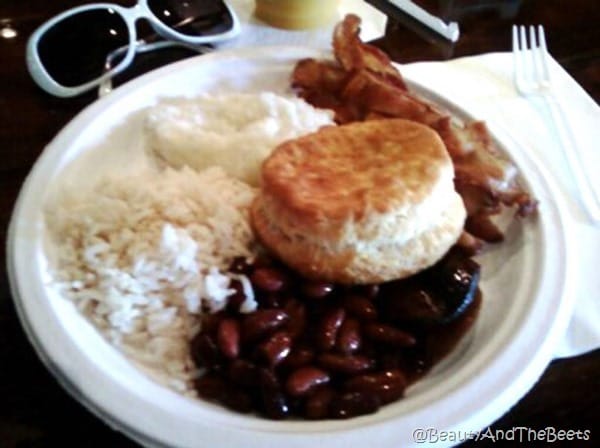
<point>523,314</point>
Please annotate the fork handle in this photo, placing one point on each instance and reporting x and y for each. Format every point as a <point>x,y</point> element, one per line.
<point>590,201</point>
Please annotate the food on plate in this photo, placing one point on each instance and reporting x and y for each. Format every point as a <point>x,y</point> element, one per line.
<point>142,255</point>
<point>233,130</point>
<point>281,262</point>
<point>363,84</point>
<point>366,202</point>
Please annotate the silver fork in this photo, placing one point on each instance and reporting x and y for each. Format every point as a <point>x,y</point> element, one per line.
<point>532,77</point>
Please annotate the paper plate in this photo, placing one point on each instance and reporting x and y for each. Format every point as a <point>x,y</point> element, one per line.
<point>524,310</point>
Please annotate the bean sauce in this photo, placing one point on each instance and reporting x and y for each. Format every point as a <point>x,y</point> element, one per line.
<point>318,350</point>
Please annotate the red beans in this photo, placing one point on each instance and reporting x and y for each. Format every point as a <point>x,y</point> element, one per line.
<point>328,329</point>
<point>298,357</point>
<point>243,373</point>
<point>318,403</point>
<point>349,339</point>
<point>346,364</point>
<point>312,349</point>
<point>317,290</point>
<point>352,404</point>
<point>271,397</point>
<point>276,348</point>
<point>205,352</point>
<point>361,307</point>
<point>297,318</point>
<point>228,337</point>
<point>268,279</point>
<point>388,385</point>
<point>261,322</point>
<point>213,387</point>
<point>389,335</point>
<point>305,379</point>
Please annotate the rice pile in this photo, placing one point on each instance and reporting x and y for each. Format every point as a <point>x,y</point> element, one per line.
<point>234,130</point>
<point>141,255</point>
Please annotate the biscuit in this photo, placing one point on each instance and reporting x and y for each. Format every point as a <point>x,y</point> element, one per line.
<point>360,203</point>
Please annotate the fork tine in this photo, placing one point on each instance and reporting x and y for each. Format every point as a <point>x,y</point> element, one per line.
<point>515,38</point>
<point>516,57</point>
<point>525,56</point>
<point>536,57</point>
<point>532,36</point>
<point>543,53</point>
<point>522,38</point>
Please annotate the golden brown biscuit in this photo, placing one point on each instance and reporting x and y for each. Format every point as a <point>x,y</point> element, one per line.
<point>360,203</point>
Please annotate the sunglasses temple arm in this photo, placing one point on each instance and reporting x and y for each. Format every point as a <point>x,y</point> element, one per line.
<point>141,46</point>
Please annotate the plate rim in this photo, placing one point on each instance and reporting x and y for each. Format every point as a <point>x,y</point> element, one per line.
<point>543,353</point>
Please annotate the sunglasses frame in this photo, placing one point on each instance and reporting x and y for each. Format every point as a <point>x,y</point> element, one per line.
<point>130,16</point>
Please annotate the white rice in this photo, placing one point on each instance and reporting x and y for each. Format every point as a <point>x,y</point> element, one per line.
<point>139,255</point>
<point>142,256</point>
<point>236,130</point>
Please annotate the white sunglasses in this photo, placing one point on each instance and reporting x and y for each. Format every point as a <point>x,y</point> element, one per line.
<point>68,54</point>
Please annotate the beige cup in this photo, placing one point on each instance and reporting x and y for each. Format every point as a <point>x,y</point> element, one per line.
<point>296,14</point>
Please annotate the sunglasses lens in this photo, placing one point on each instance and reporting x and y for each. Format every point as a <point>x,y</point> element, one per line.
<point>75,50</point>
<point>193,17</point>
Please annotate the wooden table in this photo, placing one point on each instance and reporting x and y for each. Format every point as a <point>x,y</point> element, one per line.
<point>36,412</point>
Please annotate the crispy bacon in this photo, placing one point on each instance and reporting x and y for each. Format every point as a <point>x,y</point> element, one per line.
<point>461,140</point>
<point>363,84</point>
<point>373,94</point>
<point>353,54</point>
<point>311,74</point>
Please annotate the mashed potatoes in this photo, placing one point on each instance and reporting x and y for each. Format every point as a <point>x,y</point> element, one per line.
<point>236,131</point>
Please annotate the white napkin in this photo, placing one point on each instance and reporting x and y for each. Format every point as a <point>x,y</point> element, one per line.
<point>483,85</point>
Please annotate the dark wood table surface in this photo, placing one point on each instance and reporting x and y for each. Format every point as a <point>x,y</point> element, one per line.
<point>36,412</point>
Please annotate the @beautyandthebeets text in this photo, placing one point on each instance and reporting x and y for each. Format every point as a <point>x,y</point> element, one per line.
<point>519,434</point>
